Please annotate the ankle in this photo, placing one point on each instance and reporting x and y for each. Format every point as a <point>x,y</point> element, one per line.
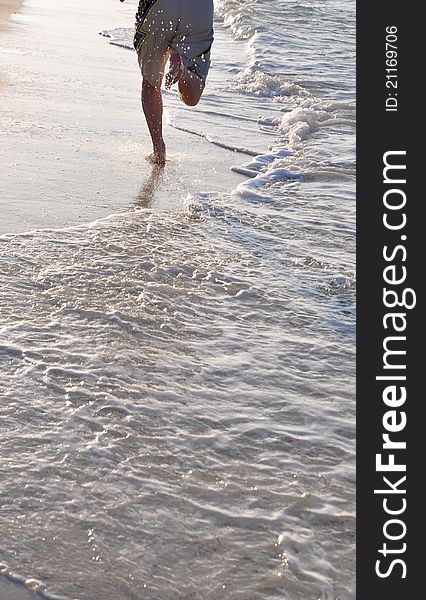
<point>159,146</point>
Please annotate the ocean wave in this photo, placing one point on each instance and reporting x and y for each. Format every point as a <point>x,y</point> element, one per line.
<point>26,588</point>
<point>254,80</point>
<point>298,124</point>
<point>233,13</point>
<point>178,384</point>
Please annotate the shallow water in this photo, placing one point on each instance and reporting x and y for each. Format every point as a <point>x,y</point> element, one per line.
<point>177,415</point>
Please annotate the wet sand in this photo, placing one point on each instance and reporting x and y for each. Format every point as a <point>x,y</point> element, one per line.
<point>72,136</point>
<point>10,590</point>
<point>71,109</point>
<point>7,7</point>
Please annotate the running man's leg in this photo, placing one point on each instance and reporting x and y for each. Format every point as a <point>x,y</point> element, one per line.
<point>191,86</point>
<point>152,104</point>
<point>191,45</point>
<point>155,24</point>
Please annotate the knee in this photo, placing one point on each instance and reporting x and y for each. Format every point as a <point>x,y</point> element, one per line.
<point>190,95</point>
<point>148,88</point>
<point>191,89</point>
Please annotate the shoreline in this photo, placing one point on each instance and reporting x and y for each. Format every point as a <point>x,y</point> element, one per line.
<point>79,136</point>
<point>15,588</point>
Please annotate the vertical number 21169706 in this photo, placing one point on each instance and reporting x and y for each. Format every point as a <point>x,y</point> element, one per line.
<point>391,53</point>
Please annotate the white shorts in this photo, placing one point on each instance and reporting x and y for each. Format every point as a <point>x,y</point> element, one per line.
<point>185,26</point>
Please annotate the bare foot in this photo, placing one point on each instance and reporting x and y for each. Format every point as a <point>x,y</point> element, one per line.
<point>175,70</point>
<point>158,157</point>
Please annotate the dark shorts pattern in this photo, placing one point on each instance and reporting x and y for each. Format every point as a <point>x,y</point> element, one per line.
<point>185,26</point>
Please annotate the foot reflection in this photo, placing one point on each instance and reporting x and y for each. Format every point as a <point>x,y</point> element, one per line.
<point>145,197</point>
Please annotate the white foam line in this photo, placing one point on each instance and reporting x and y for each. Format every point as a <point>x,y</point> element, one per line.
<point>4,237</point>
<point>270,177</point>
<point>244,171</point>
<point>218,143</point>
<point>112,42</point>
<point>249,189</point>
<point>35,588</point>
<point>120,45</point>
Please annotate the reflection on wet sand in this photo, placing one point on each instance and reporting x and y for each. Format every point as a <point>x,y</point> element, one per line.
<point>145,197</point>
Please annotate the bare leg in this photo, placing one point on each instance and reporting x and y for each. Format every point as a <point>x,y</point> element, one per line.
<point>191,88</point>
<point>152,105</point>
<point>190,85</point>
